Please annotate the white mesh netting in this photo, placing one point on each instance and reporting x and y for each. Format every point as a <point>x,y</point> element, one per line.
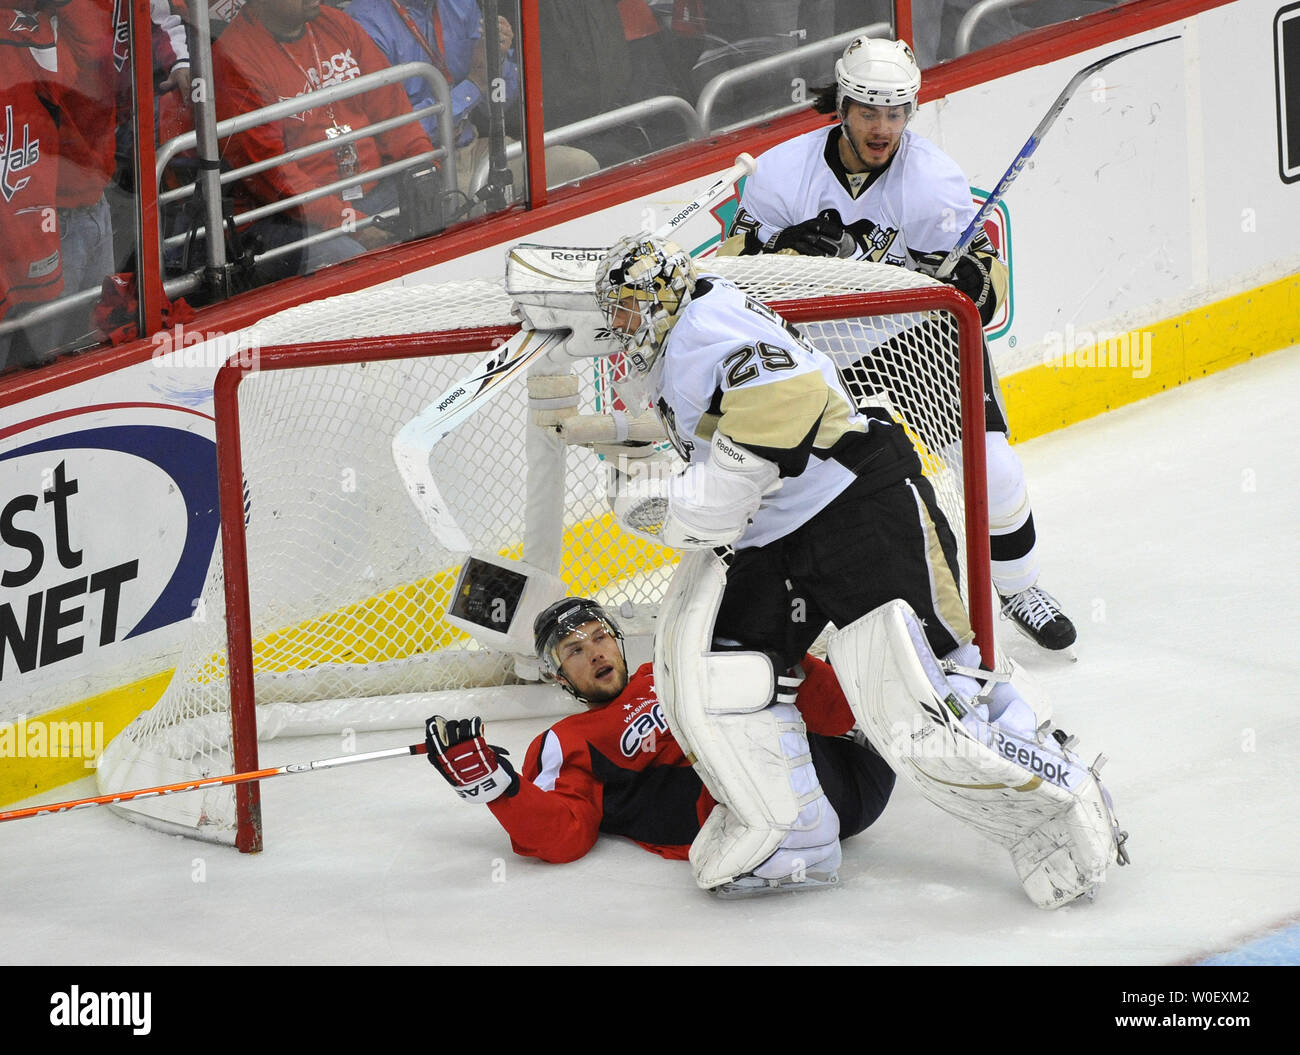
<point>348,589</point>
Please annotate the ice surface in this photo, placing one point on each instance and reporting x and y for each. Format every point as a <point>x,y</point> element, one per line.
<point>1169,532</point>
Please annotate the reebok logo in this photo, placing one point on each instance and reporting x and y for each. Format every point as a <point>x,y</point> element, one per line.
<point>683,214</point>
<point>576,254</point>
<point>731,452</point>
<point>1032,761</point>
<point>451,399</point>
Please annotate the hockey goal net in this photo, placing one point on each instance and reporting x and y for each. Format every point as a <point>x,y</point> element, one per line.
<point>334,597</point>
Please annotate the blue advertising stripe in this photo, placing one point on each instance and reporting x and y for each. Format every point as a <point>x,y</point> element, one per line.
<point>1279,949</point>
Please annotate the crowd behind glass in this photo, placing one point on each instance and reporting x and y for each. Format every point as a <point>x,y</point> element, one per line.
<point>621,79</point>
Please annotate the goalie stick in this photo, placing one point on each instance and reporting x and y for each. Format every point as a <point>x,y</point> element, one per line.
<point>1027,151</point>
<point>414,442</point>
<point>291,769</point>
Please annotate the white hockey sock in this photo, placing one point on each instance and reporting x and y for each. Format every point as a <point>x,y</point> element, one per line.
<point>1014,562</point>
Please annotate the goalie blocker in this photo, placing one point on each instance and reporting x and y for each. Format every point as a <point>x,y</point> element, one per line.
<point>1020,787</point>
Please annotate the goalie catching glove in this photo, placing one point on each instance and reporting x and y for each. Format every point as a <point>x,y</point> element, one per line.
<point>478,771</point>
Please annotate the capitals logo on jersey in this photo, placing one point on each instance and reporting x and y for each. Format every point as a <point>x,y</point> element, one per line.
<point>18,151</point>
<point>644,727</point>
<point>121,35</point>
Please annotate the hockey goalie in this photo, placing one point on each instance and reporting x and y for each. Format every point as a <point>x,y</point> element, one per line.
<point>796,499</point>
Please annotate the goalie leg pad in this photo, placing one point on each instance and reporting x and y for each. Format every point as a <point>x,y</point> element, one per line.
<point>1026,794</point>
<point>751,753</point>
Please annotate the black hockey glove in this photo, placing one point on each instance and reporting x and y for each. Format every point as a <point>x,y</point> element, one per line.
<point>823,236</point>
<point>972,278</point>
<point>478,772</point>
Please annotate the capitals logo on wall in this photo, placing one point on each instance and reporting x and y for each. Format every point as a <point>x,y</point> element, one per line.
<point>998,228</point>
<point>1286,56</point>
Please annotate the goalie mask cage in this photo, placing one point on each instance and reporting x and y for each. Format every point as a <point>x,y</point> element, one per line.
<point>325,597</point>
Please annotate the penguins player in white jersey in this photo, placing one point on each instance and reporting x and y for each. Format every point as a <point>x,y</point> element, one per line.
<point>825,505</point>
<point>869,188</point>
<point>797,509</point>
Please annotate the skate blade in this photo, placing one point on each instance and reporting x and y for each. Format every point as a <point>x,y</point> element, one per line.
<point>752,886</point>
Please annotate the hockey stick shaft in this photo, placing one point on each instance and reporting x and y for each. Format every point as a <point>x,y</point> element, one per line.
<point>498,172</point>
<point>744,166</point>
<point>1027,151</point>
<point>213,782</point>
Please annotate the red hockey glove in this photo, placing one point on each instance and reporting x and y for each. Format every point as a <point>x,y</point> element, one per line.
<point>478,772</point>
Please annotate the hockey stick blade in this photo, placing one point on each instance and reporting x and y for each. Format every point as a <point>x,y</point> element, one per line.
<point>291,769</point>
<point>415,441</point>
<point>1027,151</point>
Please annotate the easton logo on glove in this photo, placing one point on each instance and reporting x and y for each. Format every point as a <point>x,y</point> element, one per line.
<point>478,771</point>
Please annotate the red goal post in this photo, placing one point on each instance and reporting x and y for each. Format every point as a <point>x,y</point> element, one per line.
<point>253,496</point>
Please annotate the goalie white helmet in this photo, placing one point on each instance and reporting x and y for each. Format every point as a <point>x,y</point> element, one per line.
<point>877,72</point>
<point>642,285</point>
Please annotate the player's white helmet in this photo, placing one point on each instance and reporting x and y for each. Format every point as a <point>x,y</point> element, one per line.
<point>559,621</point>
<point>877,72</point>
<point>656,275</point>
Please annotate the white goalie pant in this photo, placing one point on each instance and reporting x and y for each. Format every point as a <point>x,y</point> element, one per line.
<point>1014,785</point>
<point>773,820</point>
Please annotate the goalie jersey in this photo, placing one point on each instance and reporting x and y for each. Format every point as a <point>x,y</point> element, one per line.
<point>730,364</point>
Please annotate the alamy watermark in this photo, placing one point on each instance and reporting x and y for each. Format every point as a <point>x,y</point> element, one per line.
<point>42,739</point>
<point>1099,348</point>
<point>75,1008</point>
<point>206,350</point>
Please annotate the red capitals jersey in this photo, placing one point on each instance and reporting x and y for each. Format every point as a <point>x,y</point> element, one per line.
<point>33,73</point>
<point>91,30</point>
<point>253,69</point>
<point>617,769</point>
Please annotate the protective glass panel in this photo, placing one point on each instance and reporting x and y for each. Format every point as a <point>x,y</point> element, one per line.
<point>657,74</point>
<point>947,29</point>
<point>341,128</point>
<point>67,186</point>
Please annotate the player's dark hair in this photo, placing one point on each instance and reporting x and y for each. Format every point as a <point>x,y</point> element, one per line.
<point>824,99</point>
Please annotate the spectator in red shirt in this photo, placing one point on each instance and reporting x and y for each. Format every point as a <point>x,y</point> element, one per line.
<point>34,75</point>
<point>282,49</point>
